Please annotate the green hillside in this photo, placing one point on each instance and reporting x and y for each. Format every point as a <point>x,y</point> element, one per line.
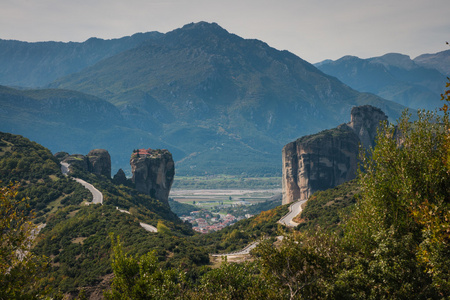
<point>76,237</point>
<point>329,209</point>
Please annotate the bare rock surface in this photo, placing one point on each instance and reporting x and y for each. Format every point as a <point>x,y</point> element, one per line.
<point>328,158</point>
<point>99,162</point>
<point>364,121</point>
<point>153,172</point>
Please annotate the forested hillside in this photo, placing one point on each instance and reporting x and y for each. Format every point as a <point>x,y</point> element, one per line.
<point>76,241</point>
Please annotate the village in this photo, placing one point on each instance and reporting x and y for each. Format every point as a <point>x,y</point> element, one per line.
<point>204,221</point>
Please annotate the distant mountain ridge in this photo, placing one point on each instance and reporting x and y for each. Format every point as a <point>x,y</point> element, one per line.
<point>37,64</point>
<point>393,76</point>
<point>220,103</point>
<point>439,61</point>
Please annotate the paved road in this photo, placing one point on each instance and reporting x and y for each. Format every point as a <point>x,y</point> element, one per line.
<point>294,210</point>
<point>97,196</point>
<point>244,251</point>
<point>146,226</point>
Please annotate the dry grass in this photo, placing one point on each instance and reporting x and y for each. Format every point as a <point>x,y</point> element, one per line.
<point>78,240</point>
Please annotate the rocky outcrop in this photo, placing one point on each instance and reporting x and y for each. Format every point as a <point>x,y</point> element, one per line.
<point>318,162</point>
<point>76,161</point>
<point>153,172</point>
<point>99,162</point>
<point>364,121</point>
<point>329,158</point>
<point>120,177</point>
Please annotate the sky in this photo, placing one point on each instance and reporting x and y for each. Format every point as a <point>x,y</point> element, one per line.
<point>314,30</point>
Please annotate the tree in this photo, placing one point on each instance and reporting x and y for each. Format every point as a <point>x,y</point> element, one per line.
<point>300,267</point>
<point>232,281</point>
<point>141,277</point>
<point>19,267</point>
<point>398,235</point>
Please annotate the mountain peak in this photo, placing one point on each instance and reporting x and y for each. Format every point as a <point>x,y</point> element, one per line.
<point>200,29</point>
<point>395,59</point>
<point>202,25</point>
<point>201,34</point>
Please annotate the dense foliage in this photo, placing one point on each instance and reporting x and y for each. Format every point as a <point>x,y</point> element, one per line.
<point>398,236</point>
<point>327,209</point>
<point>181,209</point>
<point>19,268</point>
<point>75,239</point>
<point>39,175</point>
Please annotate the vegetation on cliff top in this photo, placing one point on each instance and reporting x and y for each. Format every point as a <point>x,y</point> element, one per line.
<point>328,209</point>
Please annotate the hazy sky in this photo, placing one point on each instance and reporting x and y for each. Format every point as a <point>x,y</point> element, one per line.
<point>312,29</point>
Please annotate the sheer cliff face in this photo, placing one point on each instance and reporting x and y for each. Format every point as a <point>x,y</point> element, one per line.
<point>319,162</point>
<point>99,162</point>
<point>329,158</point>
<point>153,173</point>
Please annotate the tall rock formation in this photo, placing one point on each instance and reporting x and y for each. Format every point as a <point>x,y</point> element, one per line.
<point>329,158</point>
<point>364,121</point>
<point>99,162</point>
<point>153,172</point>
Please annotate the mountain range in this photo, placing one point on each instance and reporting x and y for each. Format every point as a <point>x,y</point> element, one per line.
<point>37,64</point>
<point>415,83</point>
<point>220,103</point>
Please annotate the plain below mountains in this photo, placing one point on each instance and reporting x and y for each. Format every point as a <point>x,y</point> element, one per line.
<point>220,103</point>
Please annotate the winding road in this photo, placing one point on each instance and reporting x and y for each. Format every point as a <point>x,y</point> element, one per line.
<point>243,251</point>
<point>97,196</point>
<point>294,210</point>
<point>148,227</point>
